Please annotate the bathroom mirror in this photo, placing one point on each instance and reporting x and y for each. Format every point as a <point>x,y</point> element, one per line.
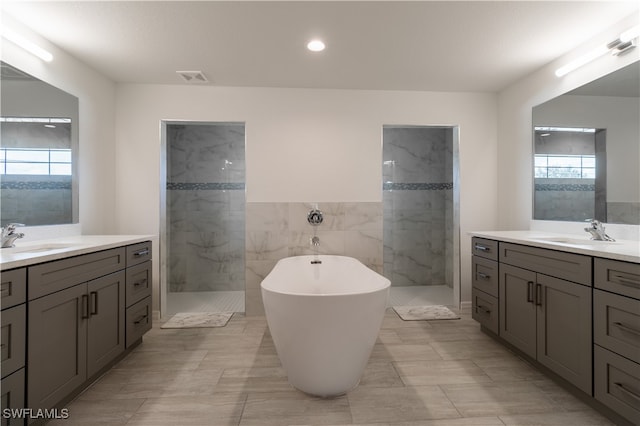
<point>586,146</point>
<point>38,151</point>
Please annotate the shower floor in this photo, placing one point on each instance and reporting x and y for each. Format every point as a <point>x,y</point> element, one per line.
<point>421,295</point>
<point>205,301</point>
<point>233,301</point>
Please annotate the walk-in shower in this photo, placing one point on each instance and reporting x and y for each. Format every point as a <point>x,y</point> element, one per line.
<point>204,220</point>
<point>420,225</point>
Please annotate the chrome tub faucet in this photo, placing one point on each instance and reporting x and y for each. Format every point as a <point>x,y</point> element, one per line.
<point>9,235</point>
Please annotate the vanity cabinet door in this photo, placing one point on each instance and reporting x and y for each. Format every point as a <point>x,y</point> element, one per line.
<point>564,329</point>
<point>106,324</point>
<point>12,390</point>
<point>57,346</point>
<point>517,308</point>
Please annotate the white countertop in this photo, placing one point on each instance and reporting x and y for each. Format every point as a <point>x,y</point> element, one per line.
<point>30,253</point>
<point>625,250</point>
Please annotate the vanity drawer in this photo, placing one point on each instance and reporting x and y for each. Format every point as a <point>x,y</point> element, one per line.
<point>484,248</point>
<point>485,310</point>
<point>13,397</point>
<point>618,277</point>
<point>616,323</point>
<point>485,275</point>
<point>13,335</point>
<point>559,264</point>
<point>138,320</point>
<point>138,253</point>
<point>138,283</point>
<point>50,277</point>
<point>617,383</point>
<point>14,287</point>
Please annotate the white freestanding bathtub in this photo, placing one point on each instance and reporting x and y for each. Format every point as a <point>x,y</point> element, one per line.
<point>324,319</point>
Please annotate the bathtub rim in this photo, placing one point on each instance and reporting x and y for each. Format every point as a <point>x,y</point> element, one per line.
<point>384,286</point>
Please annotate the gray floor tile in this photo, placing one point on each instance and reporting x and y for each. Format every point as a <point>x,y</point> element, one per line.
<point>421,373</point>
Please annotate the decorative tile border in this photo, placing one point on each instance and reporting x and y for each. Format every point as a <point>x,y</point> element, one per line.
<point>35,185</point>
<point>206,186</point>
<point>564,187</point>
<point>392,186</point>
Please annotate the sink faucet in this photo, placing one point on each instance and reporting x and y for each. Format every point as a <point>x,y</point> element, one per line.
<point>596,229</point>
<point>9,235</point>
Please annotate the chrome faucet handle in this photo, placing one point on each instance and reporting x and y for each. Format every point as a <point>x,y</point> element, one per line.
<point>10,228</point>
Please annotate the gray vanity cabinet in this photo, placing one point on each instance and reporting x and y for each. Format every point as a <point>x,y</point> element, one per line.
<point>484,290</point>
<point>74,333</point>
<point>13,345</point>
<point>57,355</point>
<point>75,322</point>
<point>547,317</point>
<point>105,322</point>
<point>616,305</point>
<point>518,309</point>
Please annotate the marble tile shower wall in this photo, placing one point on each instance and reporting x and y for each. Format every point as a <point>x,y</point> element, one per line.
<point>564,199</point>
<point>36,200</point>
<point>278,230</point>
<point>418,205</point>
<point>205,207</point>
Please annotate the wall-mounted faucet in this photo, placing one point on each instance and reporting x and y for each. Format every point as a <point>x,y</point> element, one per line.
<point>315,217</point>
<point>596,229</point>
<point>9,235</point>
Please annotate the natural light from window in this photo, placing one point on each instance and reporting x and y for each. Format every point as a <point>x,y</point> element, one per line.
<point>35,161</point>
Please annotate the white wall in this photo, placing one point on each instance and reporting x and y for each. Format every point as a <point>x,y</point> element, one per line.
<point>304,145</point>
<point>96,96</point>
<point>515,132</point>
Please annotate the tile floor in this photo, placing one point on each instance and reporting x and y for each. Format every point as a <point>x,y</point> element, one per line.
<point>442,373</point>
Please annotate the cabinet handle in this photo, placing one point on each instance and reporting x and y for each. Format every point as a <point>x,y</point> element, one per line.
<point>140,282</point>
<point>482,248</point>
<point>483,276</point>
<point>485,310</point>
<point>626,328</point>
<point>530,291</point>
<point>139,320</point>
<point>85,306</point>
<point>627,391</point>
<point>141,253</point>
<point>538,294</point>
<point>94,303</point>
<point>621,279</point>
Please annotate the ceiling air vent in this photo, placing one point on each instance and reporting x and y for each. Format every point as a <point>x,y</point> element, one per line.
<point>193,76</point>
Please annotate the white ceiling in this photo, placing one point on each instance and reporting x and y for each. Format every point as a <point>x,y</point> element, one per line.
<point>415,45</point>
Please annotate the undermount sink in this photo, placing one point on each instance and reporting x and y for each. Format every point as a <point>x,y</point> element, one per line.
<point>41,248</point>
<point>574,241</point>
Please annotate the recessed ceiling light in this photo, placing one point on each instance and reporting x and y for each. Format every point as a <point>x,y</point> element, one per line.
<point>316,45</point>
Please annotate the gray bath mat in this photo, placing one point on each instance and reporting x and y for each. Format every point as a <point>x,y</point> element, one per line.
<point>422,313</point>
<point>198,320</point>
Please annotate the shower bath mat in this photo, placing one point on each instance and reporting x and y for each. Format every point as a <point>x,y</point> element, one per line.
<point>198,320</point>
<point>425,313</point>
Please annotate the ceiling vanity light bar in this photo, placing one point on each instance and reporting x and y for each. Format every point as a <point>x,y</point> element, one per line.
<point>26,44</point>
<point>624,43</point>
